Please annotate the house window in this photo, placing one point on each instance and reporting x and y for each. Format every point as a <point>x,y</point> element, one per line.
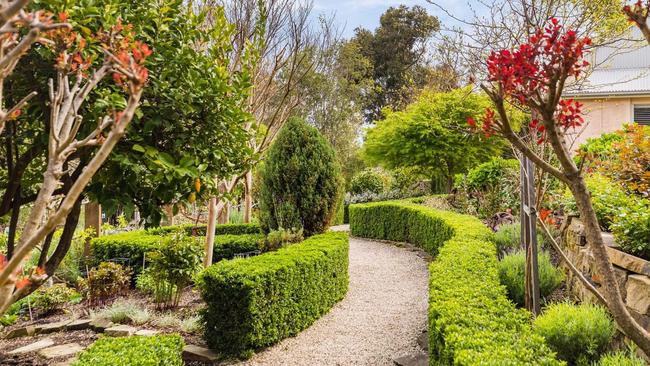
<point>642,114</point>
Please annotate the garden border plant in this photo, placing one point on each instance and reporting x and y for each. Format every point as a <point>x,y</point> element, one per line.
<point>471,321</point>
<point>256,302</point>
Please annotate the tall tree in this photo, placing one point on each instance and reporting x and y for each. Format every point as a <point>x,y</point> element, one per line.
<point>67,132</point>
<point>398,51</point>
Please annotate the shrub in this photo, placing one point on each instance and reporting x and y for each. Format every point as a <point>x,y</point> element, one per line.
<point>256,302</point>
<point>107,281</point>
<point>621,359</point>
<point>631,227</point>
<point>578,333</point>
<point>607,198</point>
<point>226,246</point>
<point>191,324</point>
<point>173,265</point>
<point>471,322</point>
<point>277,239</point>
<point>512,269</point>
<point>491,173</point>
<point>124,312</point>
<point>508,238</point>
<point>51,298</point>
<point>134,351</point>
<point>301,181</point>
<point>371,180</point>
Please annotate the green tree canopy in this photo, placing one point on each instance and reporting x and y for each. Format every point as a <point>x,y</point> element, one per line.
<point>432,135</point>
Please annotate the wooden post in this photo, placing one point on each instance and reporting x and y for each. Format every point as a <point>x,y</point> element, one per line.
<point>168,220</point>
<point>529,235</point>
<point>248,197</point>
<point>92,219</point>
<point>209,237</point>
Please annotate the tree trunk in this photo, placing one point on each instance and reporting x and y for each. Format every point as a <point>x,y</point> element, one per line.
<point>209,238</point>
<point>610,288</point>
<point>13,225</point>
<point>248,197</point>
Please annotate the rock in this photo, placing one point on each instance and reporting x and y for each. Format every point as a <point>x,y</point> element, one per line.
<point>629,262</point>
<point>53,327</point>
<point>120,331</point>
<point>147,332</point>
<point>62,350</point>
<point>196,353</point>
<point>33,347</point>
<point>29,330</point>
<point>609,240</point>
<point>419,359</point>
<point>638,288</point>
<point>423,341</point>
<point>100,324</point>
<point>79,324</point>
<point>621,278</point>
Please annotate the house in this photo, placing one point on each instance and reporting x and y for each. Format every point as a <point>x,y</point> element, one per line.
<point>617,91</point>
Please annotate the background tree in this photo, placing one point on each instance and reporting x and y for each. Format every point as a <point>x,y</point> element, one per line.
<point>431,134</point>
<point>397,50</point>
<point>533,76</point>
<point>68,133</point>
<point>300,181</point>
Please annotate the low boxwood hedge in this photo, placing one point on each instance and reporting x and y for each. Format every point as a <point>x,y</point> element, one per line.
<point>471,321</point>
<point>159,350</point>
<point>221,229</point>
<point>226,246</point>
<point>256,302</point>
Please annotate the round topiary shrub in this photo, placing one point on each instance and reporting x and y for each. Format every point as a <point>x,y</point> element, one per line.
<point>579,334</point>
<point>512,272</point>
<point>300,181</point>
<point>369,181</point>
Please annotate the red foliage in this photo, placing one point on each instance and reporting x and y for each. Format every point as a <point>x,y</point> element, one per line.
<point>531,74</point>
<point>638,12</point>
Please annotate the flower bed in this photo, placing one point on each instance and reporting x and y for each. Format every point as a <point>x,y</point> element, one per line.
<point>256,302</point>
<point>471,321</point>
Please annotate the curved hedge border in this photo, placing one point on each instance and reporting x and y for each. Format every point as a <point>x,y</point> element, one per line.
<point>471,321</point>
<point>134,351</point>
<point>220,229</point>
<point>255,302</point>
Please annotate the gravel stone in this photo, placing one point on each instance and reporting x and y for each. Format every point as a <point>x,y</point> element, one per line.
<point>379,320</point>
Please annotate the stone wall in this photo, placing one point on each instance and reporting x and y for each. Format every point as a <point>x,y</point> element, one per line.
<point>633,273</point>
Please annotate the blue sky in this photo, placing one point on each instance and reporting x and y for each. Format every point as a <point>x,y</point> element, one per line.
<point>366,13</point>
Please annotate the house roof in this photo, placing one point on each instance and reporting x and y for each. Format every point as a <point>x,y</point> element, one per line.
<point>622,68</point>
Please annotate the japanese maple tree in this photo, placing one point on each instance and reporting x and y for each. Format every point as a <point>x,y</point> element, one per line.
<point>76,78</point>
<point>533,76</point>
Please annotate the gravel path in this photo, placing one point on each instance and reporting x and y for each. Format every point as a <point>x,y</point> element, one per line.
<point>380,319</point>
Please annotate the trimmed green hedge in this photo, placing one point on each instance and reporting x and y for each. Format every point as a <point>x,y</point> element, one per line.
<point>226,246</point>
<point>159,350</point>
<point>257,301</point>
<point>221,229</point>
<point>471,321</point>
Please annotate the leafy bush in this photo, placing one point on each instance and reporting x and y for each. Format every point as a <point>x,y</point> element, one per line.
<point>51,298</point>
<point>107,281</point>
<point>607,198</point>
<point>277,239</point>
<point>621,359</point>
<point>471,322</point>
<point>491,173</point>
<point>173,265</point>
<point>630,164</point>
<point>256,302</point>
<point>508,238</point>
<point>226,246</point>
<point>631,227</point>
<point>134,351</point>
<point>124,312</point>
<point>578,333</point>
<point>371,180</point>
<point>512,270</point>
<point>301,181</point>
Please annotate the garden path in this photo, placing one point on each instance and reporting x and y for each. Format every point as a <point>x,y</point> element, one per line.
<point>379,320</point>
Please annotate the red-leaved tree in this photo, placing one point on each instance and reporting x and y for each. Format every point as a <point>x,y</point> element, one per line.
<point>124,59</point>
<point>532,77</point>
